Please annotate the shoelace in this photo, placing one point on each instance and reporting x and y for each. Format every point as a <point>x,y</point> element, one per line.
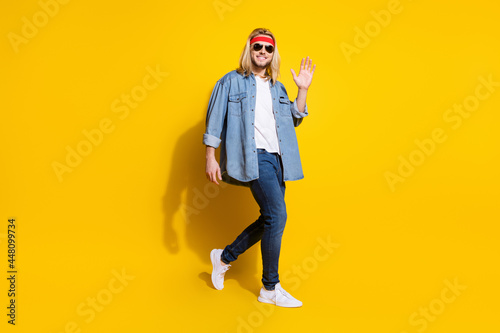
<point>224,270</point>
<point>285,293</point>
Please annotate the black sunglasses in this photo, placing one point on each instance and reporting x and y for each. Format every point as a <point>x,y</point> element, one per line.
<point>258,47</point>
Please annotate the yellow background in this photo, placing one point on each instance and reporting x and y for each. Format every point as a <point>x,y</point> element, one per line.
<point>139,202</point>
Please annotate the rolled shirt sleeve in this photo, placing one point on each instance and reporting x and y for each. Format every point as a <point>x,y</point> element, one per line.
<point>297,115</point>
<point>216,113</point>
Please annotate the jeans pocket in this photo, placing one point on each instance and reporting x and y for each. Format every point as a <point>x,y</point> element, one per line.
<point>236,104</point>
<point>285,109</point>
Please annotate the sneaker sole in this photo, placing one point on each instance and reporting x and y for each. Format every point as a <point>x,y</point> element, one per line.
<point>268,301</point>
<point>265,300</point>
<point>213,259</point>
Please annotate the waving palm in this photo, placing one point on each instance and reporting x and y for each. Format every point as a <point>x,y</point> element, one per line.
<point>304,79</point>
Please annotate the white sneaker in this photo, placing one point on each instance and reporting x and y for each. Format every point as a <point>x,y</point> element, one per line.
<point>218,269</point>
<point>279,297</point>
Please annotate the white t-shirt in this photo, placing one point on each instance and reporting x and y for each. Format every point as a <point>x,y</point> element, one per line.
<point>265,125</point>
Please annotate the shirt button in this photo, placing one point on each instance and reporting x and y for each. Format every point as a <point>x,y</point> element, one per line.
<point>252,96</point>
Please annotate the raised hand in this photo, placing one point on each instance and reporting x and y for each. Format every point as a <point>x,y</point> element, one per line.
<point>304,79</point>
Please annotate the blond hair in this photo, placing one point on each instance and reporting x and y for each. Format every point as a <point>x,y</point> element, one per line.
<point>245,66</point>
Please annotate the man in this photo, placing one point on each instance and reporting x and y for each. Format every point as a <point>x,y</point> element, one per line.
<point>250,116</point>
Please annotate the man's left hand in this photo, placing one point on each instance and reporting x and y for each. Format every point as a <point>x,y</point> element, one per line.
<point>304,79</point>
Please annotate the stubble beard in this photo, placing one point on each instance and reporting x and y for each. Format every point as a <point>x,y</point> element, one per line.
<point>256,65</point>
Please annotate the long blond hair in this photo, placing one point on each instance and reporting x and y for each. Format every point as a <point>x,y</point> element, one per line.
<point>273,69</point>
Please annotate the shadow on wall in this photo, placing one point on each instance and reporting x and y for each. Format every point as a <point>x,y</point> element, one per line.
<point>213,215</point>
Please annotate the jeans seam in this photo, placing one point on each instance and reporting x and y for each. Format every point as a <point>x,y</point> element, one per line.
<point>271,215</point>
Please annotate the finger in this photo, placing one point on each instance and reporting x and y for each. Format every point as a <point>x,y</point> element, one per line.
<point>293,73</point>
<point>302,64</point>
<point>218,174</point>
<point>314,67</point>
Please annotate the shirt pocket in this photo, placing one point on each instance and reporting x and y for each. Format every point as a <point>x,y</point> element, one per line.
<point>285,109</point>
<point>236,104</point>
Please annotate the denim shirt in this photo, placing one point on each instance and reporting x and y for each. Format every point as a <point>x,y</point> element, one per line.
<point>230,121</point>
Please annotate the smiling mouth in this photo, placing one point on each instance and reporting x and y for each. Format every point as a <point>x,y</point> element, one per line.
<point>261,58</point>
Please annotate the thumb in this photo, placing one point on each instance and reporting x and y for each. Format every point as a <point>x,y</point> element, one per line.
<point>218,174</point>
<point>293,73</point>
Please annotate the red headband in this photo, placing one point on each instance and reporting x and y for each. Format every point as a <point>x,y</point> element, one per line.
<point>262,39</point>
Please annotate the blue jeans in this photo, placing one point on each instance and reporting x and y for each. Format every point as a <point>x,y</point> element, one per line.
<point>269,192</point>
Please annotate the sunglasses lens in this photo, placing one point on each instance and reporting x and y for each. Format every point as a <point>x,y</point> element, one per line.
<point>257,47</point>
<point>269,48</point>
